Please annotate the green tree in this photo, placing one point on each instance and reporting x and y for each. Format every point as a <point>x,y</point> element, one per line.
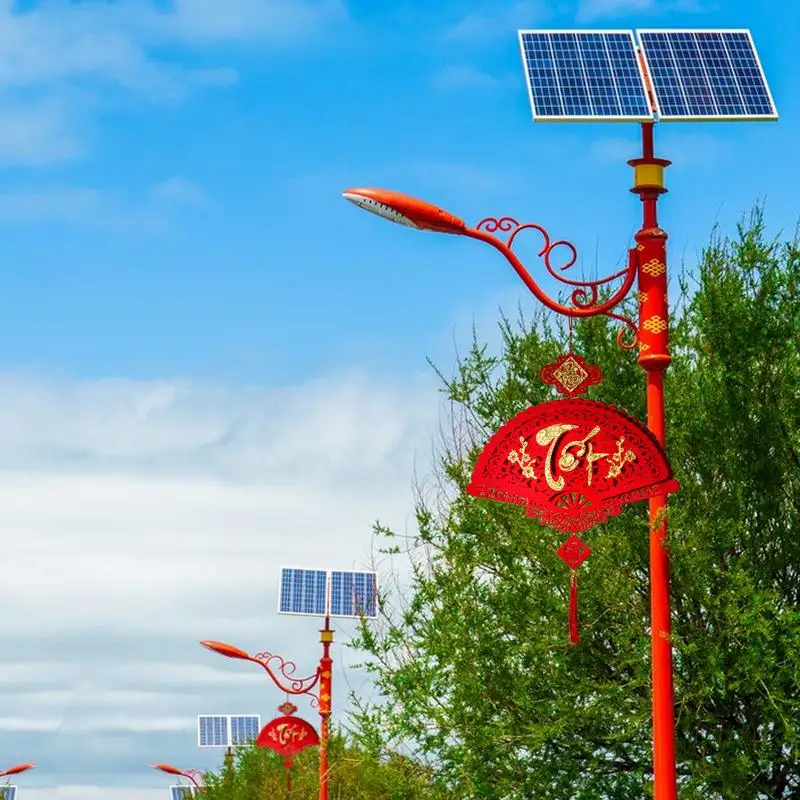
<point>473,661</point>
<point>354,774</point>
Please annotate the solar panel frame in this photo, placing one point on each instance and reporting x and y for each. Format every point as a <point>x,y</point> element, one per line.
<point>252,725</point>
<point>689,117</point>
<point>8,792</point>
<point>215,743</point>
<point>646,114</point>
<point>344,599</point>
<point>177,792</point>
<point>289,586</point>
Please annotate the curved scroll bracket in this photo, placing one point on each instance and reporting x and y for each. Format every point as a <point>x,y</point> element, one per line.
<point>281,670</point>
<point>558,256</point>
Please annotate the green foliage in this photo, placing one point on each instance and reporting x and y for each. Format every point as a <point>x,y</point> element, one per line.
<point>354,774</point>
<point>473,661</point>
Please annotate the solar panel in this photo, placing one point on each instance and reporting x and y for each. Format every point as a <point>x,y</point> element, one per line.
<point>8,792</point>
<point>706,75</point>
<point>326,592</point>
<point>181,792</point>
<point>213,731</point>
<point>244,729</point>
<point>303,591</point>
<point>584,75</point>
<point>354,594</point>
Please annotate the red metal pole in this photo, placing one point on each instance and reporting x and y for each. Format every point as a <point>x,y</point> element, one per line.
<point>654,358</point>
<point>325,702</point>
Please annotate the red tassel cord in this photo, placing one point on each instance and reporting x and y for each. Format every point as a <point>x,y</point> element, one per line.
<point>573,608</point>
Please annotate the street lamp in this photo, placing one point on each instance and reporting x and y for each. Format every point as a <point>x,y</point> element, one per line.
<point>647,262</point>
<point>281,673</point>
<point>184,773</point>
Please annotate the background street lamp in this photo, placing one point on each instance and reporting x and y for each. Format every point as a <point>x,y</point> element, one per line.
<point>185,773</point>
<point>282,674</point>
<point>647,261</point>
<point>9,792</point>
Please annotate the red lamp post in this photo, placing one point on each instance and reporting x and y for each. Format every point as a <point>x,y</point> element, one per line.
<point>647,262</point>
<point>184,773</point>
<point>282,674</point>
<point>17,769</point>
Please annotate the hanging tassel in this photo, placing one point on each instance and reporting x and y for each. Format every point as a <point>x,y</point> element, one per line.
<point>573,608</point>
<point>288,764</point>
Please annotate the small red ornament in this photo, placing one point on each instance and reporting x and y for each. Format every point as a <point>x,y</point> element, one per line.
<point>572,464</point>
<point>573,553</point>
<point>571,374</point>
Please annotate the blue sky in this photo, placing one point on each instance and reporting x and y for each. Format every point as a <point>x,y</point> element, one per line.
<point>182,283</point>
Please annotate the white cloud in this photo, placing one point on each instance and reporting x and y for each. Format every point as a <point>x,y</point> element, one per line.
<point>97,48</point>
<point>590,10</point>
<point>38,133</point>
<point>94,207</point>
<point>463,76</point>
<point>139,518</point>
<point>489,21</point>
<point>178,191</point>
<point>693,150</point>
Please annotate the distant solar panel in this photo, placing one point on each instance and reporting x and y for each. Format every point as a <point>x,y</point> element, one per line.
<point>303,591</point>
<point>706,75</point>
<point>244,729</point>
<point>335,593</point>
<point>8,792</point>
<point>182,792</point>
<point>354,594</point>
<point>213,731</point>
<point>584,75</point>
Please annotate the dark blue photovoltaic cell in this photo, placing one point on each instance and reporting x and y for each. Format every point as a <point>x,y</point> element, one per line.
<point>181,792</point>
<point>354,594</point>
<point>303,591</point>
<point>212,731</point>
<point>244,729</point>
<point>584,75</point>
<point>706,75</point>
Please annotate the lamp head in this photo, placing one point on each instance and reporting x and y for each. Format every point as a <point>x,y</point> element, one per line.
<point>227,650</point>
<point>406,210</point>
<point>15,770</point>
<point>168,768</point>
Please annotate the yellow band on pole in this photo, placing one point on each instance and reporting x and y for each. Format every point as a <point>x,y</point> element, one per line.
<point>649,175</point>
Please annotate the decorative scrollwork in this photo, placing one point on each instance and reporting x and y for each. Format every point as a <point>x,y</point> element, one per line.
<point>277,668</point>
<point>585,297</point>
<point>492,225</point>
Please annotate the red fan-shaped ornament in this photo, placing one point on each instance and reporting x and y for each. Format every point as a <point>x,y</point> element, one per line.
<point>572,464</point>
<point>287,736</point>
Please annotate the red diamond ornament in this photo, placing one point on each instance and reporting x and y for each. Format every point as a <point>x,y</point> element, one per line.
<point>573,552</point>
<point>571,374</point>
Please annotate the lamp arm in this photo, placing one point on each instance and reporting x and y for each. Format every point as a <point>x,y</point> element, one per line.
<point>285,669</point>
<point>584,297</point>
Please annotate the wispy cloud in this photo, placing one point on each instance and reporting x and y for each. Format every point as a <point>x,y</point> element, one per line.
<point>489,21</point>
<point>463,76</point>
<point>95,48</point>
<point>93,207</point>
<point>590,10</point>
<point>39,133</point>
<point>696,150</point>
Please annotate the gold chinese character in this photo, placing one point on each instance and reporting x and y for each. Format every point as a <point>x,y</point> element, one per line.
<point>567,461</point>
